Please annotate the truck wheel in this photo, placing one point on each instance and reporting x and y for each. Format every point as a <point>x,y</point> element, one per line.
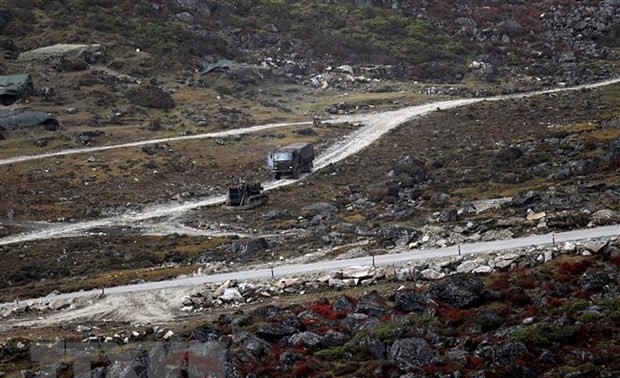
<point>278,175</point>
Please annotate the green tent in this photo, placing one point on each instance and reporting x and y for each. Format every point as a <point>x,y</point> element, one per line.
<point>14,87</point>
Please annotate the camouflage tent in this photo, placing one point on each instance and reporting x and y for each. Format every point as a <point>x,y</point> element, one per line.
<point>222,64</point>
<point>14,87</point>
<point>15,119</point>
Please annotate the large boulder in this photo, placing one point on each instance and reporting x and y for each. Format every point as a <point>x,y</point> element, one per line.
<point>274,332</point>
<point>460,291</point>
<point>195,7</point>
<point>343,304</point>
<point>257,347</point>
<point>410,301</point>
<point>391,235</point>
<point>71,55</point>
<point>305,339</point>
<point>410,171</point>
<point>320,208</point>
<point>371,304</point>
<point>412,353</point>
<point>507,354</point>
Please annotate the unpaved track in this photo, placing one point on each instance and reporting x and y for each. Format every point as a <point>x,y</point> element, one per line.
<point>160,301</point>
<point>87,150</point>
<point>375,126</point>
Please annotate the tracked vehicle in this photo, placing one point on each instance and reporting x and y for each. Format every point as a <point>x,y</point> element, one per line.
<point>245,196</point>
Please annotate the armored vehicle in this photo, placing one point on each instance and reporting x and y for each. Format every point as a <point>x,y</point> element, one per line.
<point>292,160</point>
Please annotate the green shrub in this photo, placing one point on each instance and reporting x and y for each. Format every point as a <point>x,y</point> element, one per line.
<point>572,306</point>
<point>422,321</point>
<point>589,317</point>
<point>529,335</point>
<point>611,304</point>
<point>332,354</point>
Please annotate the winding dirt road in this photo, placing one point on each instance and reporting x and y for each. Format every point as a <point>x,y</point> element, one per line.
<point>375,125</point>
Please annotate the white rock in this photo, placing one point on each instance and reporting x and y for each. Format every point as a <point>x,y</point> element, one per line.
<point>287,282</point>
<point>358,272</point>
<point>467,266</point>
<point>431,274</point>
<point>441,243</point>
<point>168,335</point>
<point>220,290</point>
<point>482,269</point>
<point>231,294</point>
<point>568,247</point>
<point>548,255</point>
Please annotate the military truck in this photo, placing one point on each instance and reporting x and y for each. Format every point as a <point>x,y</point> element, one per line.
<point>292,160</point>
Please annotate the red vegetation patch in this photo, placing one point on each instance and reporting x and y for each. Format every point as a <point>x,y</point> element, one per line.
<point>455,316</point>
<point>505,309</point>
<point>516,296</point>
<point>581,294</point>
<point>573,268</point>
<point>276,351</point>
<point>448,368</point>
<point>526,282</point>
<point>351,299</point>
<point>563,278</point>
<point>474,362</point>
<point>301,370</point>
<point>555,302</point>
<point>501,283</point>
<point>583,335</point>
<point>531,310</point>
<point>615,260</point>
<point>325,310</point>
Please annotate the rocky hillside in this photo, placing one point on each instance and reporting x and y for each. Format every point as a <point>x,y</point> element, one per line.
<point>116,71</point>
<point>534,317</point>
<point>438,41</point>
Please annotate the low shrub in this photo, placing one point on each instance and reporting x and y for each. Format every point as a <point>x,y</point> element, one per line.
<point>150,97</point>
<point>332,354</point>
<point>529,335</point>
